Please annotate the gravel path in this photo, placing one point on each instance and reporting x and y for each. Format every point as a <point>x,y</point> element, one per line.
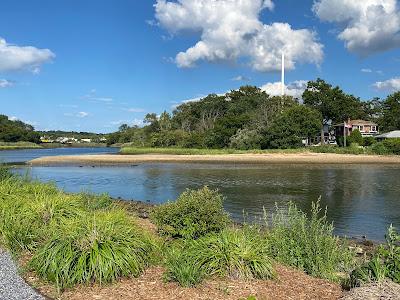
<point>12,286</point>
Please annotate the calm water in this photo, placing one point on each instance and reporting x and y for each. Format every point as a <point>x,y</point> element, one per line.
<point>361,199</point>
<point>8,156</point>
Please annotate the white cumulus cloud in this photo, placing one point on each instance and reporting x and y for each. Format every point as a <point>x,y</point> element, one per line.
<point>232,29</point>
<point>14,58</point>
<point>367,26</point>
<point>4,83</point>
<point>295,88</point>
<point>391,85</point>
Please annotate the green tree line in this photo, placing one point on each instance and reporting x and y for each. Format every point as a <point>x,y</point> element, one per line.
<point>16,131</point>
<point>249,118</point>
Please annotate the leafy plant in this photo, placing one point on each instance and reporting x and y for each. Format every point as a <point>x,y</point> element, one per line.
<point>307,243</point>
<point>355,138</point>
<point>195,213</point>
<point>181,268</point>
<point>384,264</point>
<point>231,252</point>
<point>99,247</point>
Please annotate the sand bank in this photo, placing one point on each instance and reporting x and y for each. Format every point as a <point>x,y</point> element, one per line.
<point>296,158</point>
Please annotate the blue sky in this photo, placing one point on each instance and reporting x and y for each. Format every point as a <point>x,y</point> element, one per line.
<point>92,65</point>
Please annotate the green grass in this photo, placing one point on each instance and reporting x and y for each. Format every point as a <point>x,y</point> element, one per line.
<point>79,238</point>
<point>192,151</point>
<point>127,150</point>
<point>308,243</point>
<point>98,247</point>
<point>19,145</point>
<point>233,253</point>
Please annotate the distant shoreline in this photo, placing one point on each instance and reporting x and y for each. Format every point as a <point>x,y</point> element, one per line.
<point>274,158</point>
<point>32,146</point>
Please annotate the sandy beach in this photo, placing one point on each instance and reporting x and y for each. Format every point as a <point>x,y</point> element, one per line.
<point>296,158</point>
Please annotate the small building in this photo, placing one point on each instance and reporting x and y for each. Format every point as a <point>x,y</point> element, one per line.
<point>86,140</point>
<point>366,128</point>
<point>389,135</point>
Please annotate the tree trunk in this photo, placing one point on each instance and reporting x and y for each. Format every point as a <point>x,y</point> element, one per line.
<point>322,136</point>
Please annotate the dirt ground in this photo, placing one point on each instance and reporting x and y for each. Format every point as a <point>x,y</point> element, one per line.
<point>291,284</point>
<point>293,158</point>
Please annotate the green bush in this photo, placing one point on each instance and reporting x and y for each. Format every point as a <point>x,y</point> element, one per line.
<point>232,252</point>
<point>307,243</point>
<point>393,145</point>
<point>195,213</point>
<point>368,141</point>
<point>379,148</point>
<point>99,247</point>
<point>355,138</point>
<point>384,264</point>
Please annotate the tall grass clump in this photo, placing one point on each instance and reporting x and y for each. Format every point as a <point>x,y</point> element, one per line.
<point>100,247</point>
<point>236,253</point>
<point>194,214</point>
<point>385,264</point>
<point>30,211</point>
<point>308,243</point>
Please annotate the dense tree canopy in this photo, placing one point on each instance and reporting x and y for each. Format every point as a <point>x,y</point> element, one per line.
<point>249,118</point>
<point>15,131</point>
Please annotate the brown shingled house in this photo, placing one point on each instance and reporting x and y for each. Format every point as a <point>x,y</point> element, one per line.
<point>367,128</point>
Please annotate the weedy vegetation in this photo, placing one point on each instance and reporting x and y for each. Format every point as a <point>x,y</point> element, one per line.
<point>85,239</point>
<point>307,243</point>
<point>72,238</point>
<point>385,264</point>
<point>234,253</point>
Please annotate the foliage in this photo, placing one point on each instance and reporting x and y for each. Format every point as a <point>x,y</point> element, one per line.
<point>98,247</point>
<point>246,139</point>
<point>15,131</point>
<point>236,253</point>
<point>4,172</point>
<point>368,141</point>
<point>331,102</point>
<point>384,264</point>
<point>292,126</point>
<point>307,243</point>
<point>379,148</point>
<point>390,119</point>
<point>392,145</point>
<point>181,268</point>
<point>338,150</point>
<point>195,213</point>
<point>355,138</point>
<point>73,238</point>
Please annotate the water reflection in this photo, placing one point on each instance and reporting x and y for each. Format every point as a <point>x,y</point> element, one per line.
<point>361,200</point>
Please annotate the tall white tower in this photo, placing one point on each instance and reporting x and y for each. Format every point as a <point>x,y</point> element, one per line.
<point>283,74</point>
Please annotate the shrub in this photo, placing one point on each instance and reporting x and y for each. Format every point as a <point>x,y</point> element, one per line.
<point>379,148</point>
<point>307,243</point>
<point>195,213</point>
<point>99,247</point>
<point>231,252</point>
<point>393,145</point>
<point>368,141</point>
<point>384,264</point>
<point>355,138</point>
